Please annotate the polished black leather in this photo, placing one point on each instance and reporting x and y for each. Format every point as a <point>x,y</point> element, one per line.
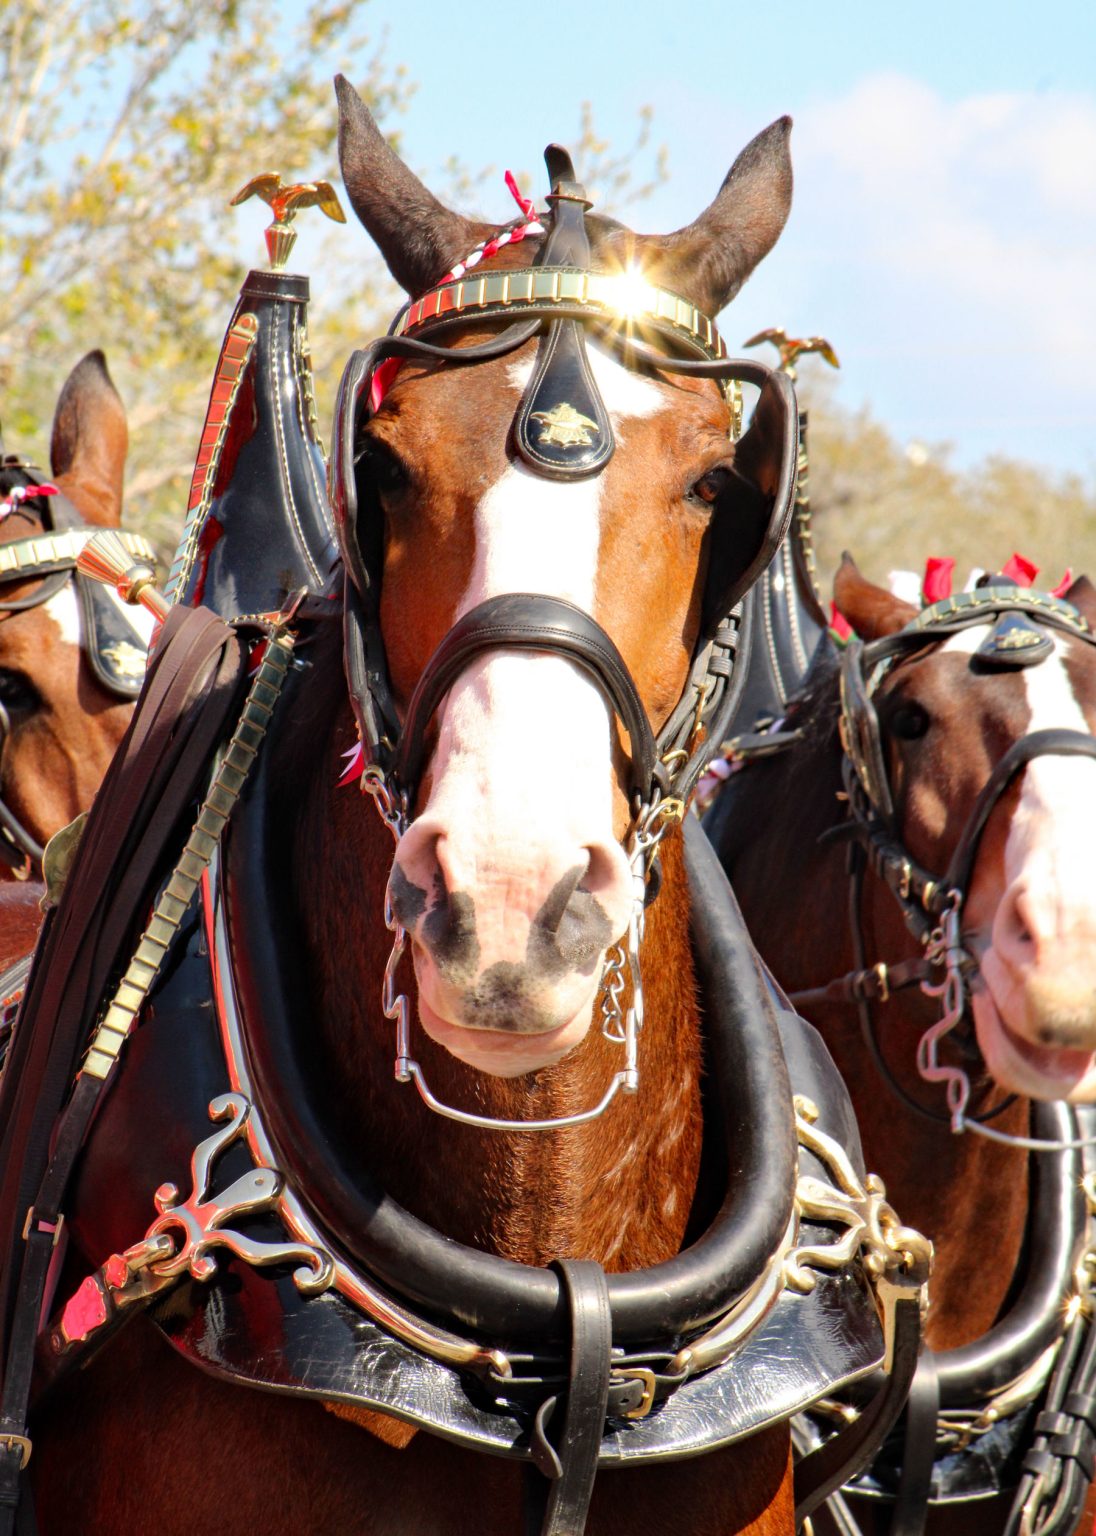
<point>267,532</point>
<point>528,621</point>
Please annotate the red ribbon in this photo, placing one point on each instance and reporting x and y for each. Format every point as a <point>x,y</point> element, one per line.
<point>937,583</point>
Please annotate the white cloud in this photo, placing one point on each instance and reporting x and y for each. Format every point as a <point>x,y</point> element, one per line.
<point>955,241</point>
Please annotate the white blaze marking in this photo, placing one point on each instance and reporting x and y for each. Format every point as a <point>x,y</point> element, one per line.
<point>1052,839</point>
<point>533,727</point>
<point>64,612</point>
<point>1053,834</point>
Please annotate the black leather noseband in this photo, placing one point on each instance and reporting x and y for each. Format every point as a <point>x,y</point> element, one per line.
<point>529,621</point>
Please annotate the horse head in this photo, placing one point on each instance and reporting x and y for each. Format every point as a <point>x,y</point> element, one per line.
<point>465,498</point>
<point>948,713</point>
<point>60,721</point>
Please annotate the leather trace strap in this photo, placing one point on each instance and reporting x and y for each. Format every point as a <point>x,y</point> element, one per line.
<point>529,622</point>
<point>570,1464</point>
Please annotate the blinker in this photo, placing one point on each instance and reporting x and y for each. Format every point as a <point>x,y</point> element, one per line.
<point>1015,641</point>
<point>562,429</point>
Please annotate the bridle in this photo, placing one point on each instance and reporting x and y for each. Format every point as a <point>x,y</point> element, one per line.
<point>50,557</point>
<point>932,903</point>
<point>559,299</point>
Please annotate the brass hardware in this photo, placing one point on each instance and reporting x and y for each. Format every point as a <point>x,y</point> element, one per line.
<point>904,884</point>
<point>890,1250</point>
<point>880,972</point>
<point>231,367</point>
<point>28,1222</point>
<point>671,810</point>
<point>601,293</point>
<point>105,558</point>
<point>647,1377</point>
<point>564,427</point>
<point>197,1225</point>
<point>21,1442</point>
<point>57,859</point>
<point>791,348</point>
<point>285,202</point>
<point>224,791</point>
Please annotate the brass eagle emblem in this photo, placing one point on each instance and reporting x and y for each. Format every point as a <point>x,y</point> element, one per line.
<point>128,660</point>
<point>564,427</point>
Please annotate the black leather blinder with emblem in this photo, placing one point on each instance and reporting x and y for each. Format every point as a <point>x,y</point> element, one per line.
<point>562,428</point>
<point>1015,641</point>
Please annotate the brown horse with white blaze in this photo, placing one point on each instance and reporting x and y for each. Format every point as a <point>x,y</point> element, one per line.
<point>61,725</point>
<point>511,881</point>
<point>955,693</point>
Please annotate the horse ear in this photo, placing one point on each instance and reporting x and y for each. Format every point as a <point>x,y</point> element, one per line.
<point>87,451</point>
<point>872,611</point>
<point>1082,594</point>
<point>419,238</point>
<point>708,261</point>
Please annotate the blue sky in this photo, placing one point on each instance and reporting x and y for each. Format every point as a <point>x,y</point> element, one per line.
<point>944,228</point>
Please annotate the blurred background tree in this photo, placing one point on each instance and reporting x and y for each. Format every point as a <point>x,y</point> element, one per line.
<point>128,125</point>
<point>892,504</point>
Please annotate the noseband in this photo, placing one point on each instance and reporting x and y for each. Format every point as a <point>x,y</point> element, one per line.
<point>562,431</point>
<point>931,903</point>
<point>114,649</point>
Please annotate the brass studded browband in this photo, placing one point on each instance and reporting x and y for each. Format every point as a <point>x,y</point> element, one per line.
<point>985,601</point>
<point>621,300</point>
<point>23,559</point>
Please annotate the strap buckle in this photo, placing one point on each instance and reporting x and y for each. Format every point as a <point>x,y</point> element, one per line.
<point>53,1227</point>
<point>20,1443</point>
<point>646,1378</point>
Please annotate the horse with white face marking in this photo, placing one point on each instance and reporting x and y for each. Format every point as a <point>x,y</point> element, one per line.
<point>532,655</point>
<point>957,753</point>
<point>61,722</point>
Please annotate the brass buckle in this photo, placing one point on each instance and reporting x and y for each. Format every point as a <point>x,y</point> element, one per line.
<point>883,981</point>
<point>907,875</point>
<point>11,1442</point>
<point>642,1374</point>
<point>56,1234</point>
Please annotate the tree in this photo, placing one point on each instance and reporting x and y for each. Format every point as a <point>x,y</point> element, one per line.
<point>893,506</point>
<point>129,125</point>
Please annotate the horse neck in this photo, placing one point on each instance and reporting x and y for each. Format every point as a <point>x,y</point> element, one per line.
<point>966,1193</point>
<point>618,1190</point>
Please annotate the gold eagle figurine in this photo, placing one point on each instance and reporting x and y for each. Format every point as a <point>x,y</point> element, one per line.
<point>793,347</point>
<point>285,202</point>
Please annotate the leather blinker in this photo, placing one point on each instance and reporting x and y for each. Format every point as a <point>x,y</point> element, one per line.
<point>1015,641</point>
<point>562,429</point>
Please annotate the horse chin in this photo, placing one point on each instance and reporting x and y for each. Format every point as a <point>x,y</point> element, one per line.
<point>502,1053</point>
<point>1021,1066</point>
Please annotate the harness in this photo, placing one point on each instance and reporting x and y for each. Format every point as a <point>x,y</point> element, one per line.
<point>334,1292</point>
<point>562,431</point>
<point>113,645</point>
<point>972,1410</point>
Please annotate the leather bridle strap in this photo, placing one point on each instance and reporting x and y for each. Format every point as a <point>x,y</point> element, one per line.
<point>529,622</point>
<point>1051,743</point>
<point>571,1464</point>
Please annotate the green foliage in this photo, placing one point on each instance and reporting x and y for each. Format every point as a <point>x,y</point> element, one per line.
<point>893,506</point>
<point>130,124</point>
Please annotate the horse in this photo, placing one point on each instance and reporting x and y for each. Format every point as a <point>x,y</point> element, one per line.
<point>71,662</point>
<point>910,838</point>
<point>544,551</point>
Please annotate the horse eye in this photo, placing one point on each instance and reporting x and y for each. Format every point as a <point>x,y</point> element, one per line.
<point>909,722</point>
<point>383,468</point>
<point>18,695</point>
<point>709,487</point>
